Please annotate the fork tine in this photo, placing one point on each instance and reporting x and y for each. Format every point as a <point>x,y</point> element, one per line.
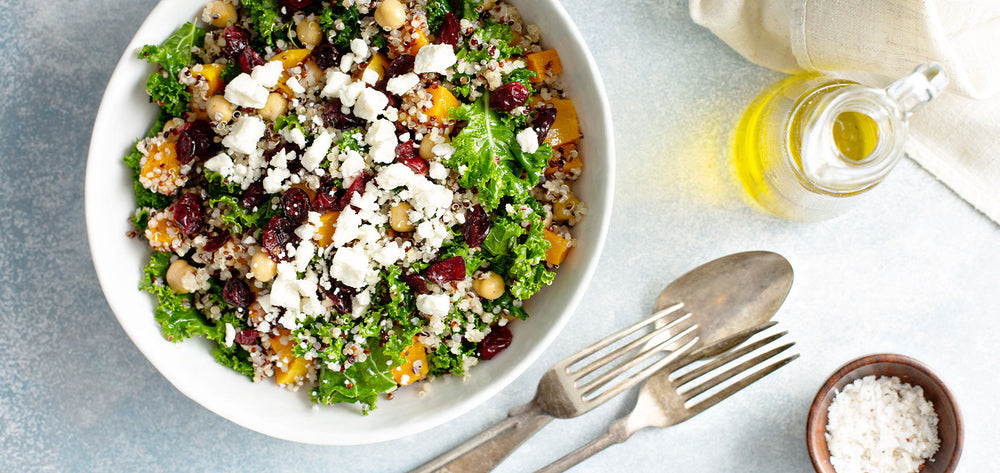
<point>644,373</point>
<point>604,342</point>
<point>640,357</point>
<point>733,388</point>
<point>724,358</point>
<point>732,372</point>
<point>618,352</point>
<point>730,342</point>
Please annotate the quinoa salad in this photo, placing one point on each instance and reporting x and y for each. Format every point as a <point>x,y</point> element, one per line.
<point>351,196</point>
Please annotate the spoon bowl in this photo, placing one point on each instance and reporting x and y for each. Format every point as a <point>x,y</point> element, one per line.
<point>728,295</point>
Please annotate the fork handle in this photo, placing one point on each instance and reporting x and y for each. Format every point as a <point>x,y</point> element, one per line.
<point>617,433</point>
<point>485,451</point>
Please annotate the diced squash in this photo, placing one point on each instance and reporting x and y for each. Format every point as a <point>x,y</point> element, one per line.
<point>302,185</point>
<point>556,254</point>
<point>569,164</point>
<point>562,211</point>
<point>327,226</point>
<point>566,128</point>
<point>378,63</point>
<point>545,64</point>
<point>212,73</point>
<point>162,233</point>
<point>415,366</point>
<point>296,368</point>
<point>442,103</point>
<point>162,168</point>
<point>292,57</point>
<point>418,39</point>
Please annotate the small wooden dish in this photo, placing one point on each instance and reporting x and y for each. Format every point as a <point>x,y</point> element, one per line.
<point>907,370</point>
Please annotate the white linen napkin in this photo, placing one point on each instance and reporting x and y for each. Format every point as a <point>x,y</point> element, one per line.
<point>957,136</point>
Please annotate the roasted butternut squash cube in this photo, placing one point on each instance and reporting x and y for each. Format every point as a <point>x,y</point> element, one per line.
<point>545,64</point>
<point>563,210</point>
<point>442,103</point>
<point>556,254</point>
<point>415,366</point>
<point>569,162</point>
<point>212,73</point>
<point>295,368</point>
<point>327,226</point>
<point>566,128</point>
<point>292,57</point>
<point>377,63</point>
<point>161,171</point>
<point>418,39</point>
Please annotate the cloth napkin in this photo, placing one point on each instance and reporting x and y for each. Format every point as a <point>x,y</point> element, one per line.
<point>957,136</point>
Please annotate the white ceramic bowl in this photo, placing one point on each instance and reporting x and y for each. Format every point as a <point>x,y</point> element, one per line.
<point>126,114</point>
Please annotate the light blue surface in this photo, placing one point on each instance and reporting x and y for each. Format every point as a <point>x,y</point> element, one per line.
<point>914,270</point>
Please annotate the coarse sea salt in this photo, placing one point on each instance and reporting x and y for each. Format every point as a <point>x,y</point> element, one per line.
<point>881,425</point>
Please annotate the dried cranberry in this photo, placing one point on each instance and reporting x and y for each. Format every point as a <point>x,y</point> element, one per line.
<point>356,187</point>
<point>403,64</point>
<point>327,197</point>
<point>248,59</point>
<point>543,122</point>
<point>237,293</point>
<point>477,226</point>
<point>417,283</point>
<point>279,232</point>
<point>295,204</point>
<point>340,294</point>
<point>216,241</point>
<point>451,269</point>
<point>333,116</point>
<point>295,5</point>
<point>246,337</point>
<point>185,148</point>
<point>450,30</point>
<point>253,196</point>
<point>237,39</point>
<point>495,342</point>
<point>509,96</point>
<point>406,155</point>
<point>326,55</point>
<point>189,213</point>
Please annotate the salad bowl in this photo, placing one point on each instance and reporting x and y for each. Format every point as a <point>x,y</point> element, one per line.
<point>126,113</point>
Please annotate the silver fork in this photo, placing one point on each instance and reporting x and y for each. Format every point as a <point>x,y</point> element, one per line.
<point>563,392</point>
<point>662,402</point>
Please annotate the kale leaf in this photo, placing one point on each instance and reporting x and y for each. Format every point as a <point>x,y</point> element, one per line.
<point>175,314</point>
<point>144,198</point>
<point>172,56</point>
<point>349,18</point>
<point>443,361</point>
<point>234,357</point>
<point>436,10</point>
<point>492,159</point>
<point>470,9</point>
<point>361,382</point>
<point>265,18</point>
<point>239,219</point>
<point>518,247</point>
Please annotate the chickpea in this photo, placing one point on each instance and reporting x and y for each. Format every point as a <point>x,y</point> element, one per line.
<point>489,286</point>
<point>180,277</point>
<point>275,107</point>
<point>172,124</point>
<point>219,109</point>
<point>309,33</point>
<point>262,266</point>
<point>390,14</point>
<point>427,145</point>
<point>399,217</point>
<point>219,14</point>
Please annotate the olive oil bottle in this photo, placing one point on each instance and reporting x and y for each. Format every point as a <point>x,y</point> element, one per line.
<point>807,144</point>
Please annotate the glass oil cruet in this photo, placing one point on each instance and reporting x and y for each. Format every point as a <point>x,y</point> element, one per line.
<point>807,144</point>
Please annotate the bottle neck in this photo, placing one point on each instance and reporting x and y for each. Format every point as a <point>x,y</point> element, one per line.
<point>850,137</point>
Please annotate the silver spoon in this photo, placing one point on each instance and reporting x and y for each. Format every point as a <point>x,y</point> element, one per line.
<point>724,296</point>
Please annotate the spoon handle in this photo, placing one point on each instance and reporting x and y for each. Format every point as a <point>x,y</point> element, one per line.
<point>485,451</point>
<point>617,433</point>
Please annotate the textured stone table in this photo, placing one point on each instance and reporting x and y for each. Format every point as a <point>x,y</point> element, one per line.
<point>914,270</point>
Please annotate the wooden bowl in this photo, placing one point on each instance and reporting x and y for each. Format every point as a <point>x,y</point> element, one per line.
<point>907,370</point>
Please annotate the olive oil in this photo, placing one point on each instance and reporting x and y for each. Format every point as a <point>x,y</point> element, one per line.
<point>807,144</point>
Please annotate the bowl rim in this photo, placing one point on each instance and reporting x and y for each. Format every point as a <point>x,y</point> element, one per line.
<point>600,124</point>
<point>889,358</point>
